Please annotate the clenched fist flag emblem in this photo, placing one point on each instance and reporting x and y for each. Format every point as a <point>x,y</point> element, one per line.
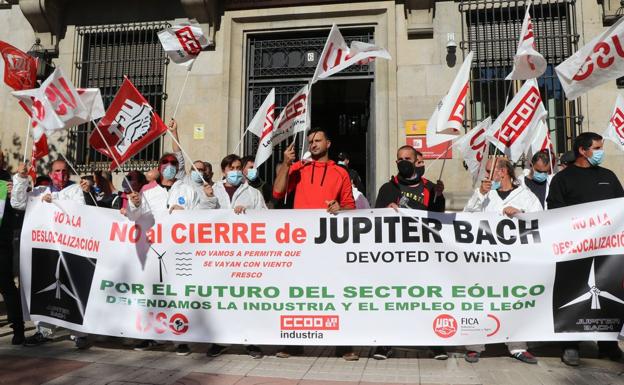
<point>130,124</point>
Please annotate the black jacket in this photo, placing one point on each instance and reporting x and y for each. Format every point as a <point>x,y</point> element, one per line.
<point>419,197</point>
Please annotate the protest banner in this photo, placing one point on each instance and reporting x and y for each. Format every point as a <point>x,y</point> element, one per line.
<point>362,277</point>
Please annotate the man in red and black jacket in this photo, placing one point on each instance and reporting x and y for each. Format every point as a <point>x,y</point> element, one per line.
<point>318,183</point>
<point>409,189</point>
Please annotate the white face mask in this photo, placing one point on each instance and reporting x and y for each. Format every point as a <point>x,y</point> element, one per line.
<point>196,177</point>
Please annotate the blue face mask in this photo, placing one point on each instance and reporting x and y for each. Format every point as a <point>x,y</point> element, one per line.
<point>234,177</point>
<point>252,174</point>
<point>596,157</point>
<point>496,184</point>
<point>539,177</point>
<point>196,177</point>
<point>169,172</point>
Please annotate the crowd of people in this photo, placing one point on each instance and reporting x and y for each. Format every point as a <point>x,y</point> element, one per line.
<point>316,182</point>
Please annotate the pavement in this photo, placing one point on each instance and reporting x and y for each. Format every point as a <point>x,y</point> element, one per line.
<point>112,361</point>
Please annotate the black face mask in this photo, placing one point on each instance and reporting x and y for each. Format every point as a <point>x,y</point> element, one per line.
<point>406,169</point>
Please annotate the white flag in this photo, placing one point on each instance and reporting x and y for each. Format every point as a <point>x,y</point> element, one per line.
<point>337,55</point>
<point>514,129</point>
<point>92,100</point>
<point>541,140</point>
<point>473,147</point>
<point>595,63</point>
<point>55,105</point>
<point>528,63</point>
<point>615,130</point>
<point>292,119</point>
<point>447,120</point>
<point>183,42</point>
<point>262,126</point>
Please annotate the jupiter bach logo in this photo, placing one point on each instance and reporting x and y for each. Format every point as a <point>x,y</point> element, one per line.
<point>60,284</point>
<point>589,295</point>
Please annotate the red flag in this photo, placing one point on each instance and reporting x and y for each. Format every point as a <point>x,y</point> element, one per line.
<point>20,69</point>
<point>40,147</point>
<point>128,126</point>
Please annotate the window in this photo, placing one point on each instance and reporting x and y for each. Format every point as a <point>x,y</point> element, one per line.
<point>103,55</point>
<point>491,29</point>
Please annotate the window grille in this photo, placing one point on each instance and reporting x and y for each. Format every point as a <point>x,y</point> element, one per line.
<point>491,29</point>
<point>103,55</point>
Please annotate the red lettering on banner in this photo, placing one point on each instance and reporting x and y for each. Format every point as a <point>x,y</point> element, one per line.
<point>268,122</point>
<point>478,146</point>
<point>310,322</point>
<point>457,114</point>
<point>295,108</point>
<point>617,120</point>
<point>189,42</point>
<point>603,58</point>
<point>337,60</point>
<point>64,101</point>
<point>519,119</point>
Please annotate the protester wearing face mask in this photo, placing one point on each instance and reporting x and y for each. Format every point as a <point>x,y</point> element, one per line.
<point>201,173</point>
<point>502,194</point>
<point>581,182</point>
<point>169,193</point>
<point>409,188</point>
<point>254,180</point>
<point>540,174</point>
<point>232,192</point>
<point>60,188</point>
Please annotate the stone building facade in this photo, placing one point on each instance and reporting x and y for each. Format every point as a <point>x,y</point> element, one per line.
<point>371,110</point>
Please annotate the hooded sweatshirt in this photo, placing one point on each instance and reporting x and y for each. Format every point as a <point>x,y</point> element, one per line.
<point>315,183</point>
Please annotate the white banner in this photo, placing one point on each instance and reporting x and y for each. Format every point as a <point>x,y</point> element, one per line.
<point>597,62</point>
<point>447,120</point>
<point>183,42</point>
<point>514,129</point>
<point>473,146</point>
<point>361,277</point>
<point>615,130</point>
<point>337,56</point>
<point>528,63</point>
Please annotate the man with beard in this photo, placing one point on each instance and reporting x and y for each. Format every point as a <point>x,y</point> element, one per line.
<point>410,190</point>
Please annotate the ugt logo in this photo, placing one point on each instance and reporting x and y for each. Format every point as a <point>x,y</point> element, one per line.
<point>445,326</point>
<point>189,42</point>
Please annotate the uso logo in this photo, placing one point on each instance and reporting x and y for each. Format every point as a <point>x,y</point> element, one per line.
<point>445,326</point>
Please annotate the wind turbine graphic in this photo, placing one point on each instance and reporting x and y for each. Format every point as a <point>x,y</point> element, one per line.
<point>161,263</point>
<point>594,293</point>
<point>58,286</point>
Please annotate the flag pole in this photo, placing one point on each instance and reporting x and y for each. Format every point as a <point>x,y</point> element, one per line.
<point>186,155</point>
<point>76,172</point>
<point>175,111</point>
<point>26,139</point>
<point>110,151</point>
